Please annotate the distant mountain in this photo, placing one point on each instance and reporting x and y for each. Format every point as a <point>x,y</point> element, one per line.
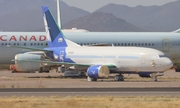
<point>103,22</point>
<point>26,15</point>
<point>151,18</point>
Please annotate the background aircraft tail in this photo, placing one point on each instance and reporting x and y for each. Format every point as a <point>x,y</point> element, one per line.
<point>59,14</point>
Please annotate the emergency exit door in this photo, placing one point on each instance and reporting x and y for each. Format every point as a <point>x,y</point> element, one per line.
<point>165,45</point>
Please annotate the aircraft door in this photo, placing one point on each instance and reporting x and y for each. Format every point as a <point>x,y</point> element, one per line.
<point>165,45</point>
<point>143,59</point>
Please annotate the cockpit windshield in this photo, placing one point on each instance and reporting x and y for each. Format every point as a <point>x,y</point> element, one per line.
<point>162,56</point>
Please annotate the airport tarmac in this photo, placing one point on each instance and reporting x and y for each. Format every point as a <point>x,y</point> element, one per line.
<point>67,86</point>
<point>170,91</point>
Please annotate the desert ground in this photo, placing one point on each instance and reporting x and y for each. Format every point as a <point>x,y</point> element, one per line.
<point>57,80</point>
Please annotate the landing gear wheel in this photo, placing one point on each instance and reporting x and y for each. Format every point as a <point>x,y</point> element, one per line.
<point>91,79</point>
<point>155,79</point>
<point>14,71</point>
<point>119,78</point>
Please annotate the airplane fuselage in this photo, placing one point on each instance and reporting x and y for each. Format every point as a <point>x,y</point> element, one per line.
<point>126,59</point>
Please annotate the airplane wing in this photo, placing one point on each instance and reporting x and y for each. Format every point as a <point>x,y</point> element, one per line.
<point>64,63</point>
<point>30,48</point>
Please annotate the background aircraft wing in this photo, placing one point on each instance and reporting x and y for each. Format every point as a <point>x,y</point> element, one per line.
<point>31,48</point>
<point>65,63</point>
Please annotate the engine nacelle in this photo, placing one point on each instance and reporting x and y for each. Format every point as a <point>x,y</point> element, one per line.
<point>98,71</point>
<point>27,66</point>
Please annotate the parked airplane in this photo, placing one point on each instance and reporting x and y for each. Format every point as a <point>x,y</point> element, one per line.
<point>98,61</point>
<point>167,42</point>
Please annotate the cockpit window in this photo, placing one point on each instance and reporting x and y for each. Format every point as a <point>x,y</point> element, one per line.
<point>161,56</point>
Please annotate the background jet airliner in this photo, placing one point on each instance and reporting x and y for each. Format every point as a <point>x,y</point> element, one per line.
<point>98,61</point>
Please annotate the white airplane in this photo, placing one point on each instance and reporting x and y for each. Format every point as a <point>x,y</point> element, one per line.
<point>167,42</point>
<point>97,61</point>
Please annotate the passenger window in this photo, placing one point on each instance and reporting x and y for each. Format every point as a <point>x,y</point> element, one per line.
<point>121,44</point>
<point>153,44</point>
<point>18,44</point>
<point>2,44</point>
<point>24,44</point>
<point>132,44</point>
<point>142,44</point>
<point>41,44</point>
<point>135,44</point>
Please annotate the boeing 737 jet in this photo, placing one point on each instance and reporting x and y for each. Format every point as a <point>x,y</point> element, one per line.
<point>97,61</point>
<point>167,42</point>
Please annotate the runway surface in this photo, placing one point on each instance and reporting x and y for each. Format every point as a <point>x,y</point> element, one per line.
<point>173,91</point>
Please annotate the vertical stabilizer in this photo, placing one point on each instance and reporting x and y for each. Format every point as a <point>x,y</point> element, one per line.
<point>55,35</point>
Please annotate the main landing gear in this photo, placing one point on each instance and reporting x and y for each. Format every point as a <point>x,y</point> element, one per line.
<point>116,78</point>
<point>119,78</point>
<point>91,79</point>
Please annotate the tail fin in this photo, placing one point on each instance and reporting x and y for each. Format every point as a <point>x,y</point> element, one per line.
<point>55,35</point>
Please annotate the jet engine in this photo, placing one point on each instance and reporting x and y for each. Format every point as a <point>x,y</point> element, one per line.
<point>26,66</point>
<point>98,71</point>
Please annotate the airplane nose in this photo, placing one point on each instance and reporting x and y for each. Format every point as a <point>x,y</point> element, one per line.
<point>168,63</point>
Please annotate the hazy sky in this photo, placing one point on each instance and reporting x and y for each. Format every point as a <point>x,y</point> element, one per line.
<point>92,5</point>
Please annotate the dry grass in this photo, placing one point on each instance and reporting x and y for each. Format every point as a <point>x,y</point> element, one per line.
<point>4,67</point>
<point>89,102</point>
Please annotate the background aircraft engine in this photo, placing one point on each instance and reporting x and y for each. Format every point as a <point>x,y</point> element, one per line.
<point>98,71</point>
<point>27,66</point>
